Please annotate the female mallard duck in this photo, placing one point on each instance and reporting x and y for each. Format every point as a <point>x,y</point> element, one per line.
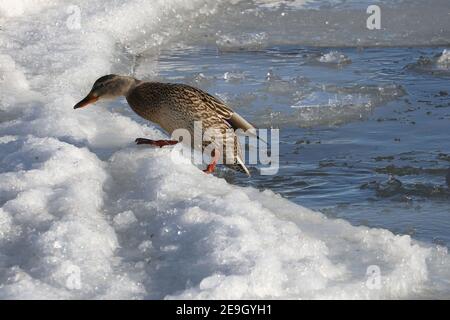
<point>173,106</point>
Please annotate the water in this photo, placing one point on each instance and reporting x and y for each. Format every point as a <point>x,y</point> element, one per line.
<point>366,140</point>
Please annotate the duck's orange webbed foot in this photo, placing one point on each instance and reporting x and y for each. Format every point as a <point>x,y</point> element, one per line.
<point>156,143</point>
<point>212,166</point>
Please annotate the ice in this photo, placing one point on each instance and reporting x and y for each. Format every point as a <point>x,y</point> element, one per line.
<point>87,214</point>
<point>319,24</point>
<point>251,41</point>
<point>12,8</point>
<point>437,65</point>
<point>329,106</point>
<point>444,59</point>
<point>234,76</point>
<point>280,3</point>
<point>335,58</point>
<point>52,221</point>
<point>252,244</point>
<point>15,87</point>
<point>124,219</point>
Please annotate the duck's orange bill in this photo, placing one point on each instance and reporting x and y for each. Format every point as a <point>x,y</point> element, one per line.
<point>86,101</point>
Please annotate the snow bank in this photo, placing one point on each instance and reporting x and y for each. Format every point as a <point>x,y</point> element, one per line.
<point>87,214</point>
<point>203,238</point>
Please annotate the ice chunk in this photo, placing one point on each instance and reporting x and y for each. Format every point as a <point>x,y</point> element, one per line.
<point>444,59</point>
<point>124,219</point>
<point>251,41</point>
<point>334,58</point>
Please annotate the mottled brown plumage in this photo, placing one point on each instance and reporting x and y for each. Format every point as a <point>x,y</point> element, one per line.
<point>177,106</point>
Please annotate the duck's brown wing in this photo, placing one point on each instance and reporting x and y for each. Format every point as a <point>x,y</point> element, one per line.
<point>229,117</point>
<point>227,114</point>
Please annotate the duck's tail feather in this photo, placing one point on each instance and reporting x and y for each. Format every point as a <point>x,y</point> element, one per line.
<point>238,122</point>
<point>239,166</point>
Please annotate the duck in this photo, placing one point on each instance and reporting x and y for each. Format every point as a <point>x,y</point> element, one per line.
<point>175,106</point>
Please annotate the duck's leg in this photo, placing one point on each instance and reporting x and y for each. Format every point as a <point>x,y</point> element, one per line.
<point>156,143</point>
<point>212,166</point>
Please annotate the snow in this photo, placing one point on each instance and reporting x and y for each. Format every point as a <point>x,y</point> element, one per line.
<point>87,214</point>
<point>444,58</point>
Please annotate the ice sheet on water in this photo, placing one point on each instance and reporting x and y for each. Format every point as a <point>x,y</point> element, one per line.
<point>251,41</point>
<point>439,64</point>
<point>281,3</point>
<point>331,105</point>
<point>234,76</point>
<point>86,214</point>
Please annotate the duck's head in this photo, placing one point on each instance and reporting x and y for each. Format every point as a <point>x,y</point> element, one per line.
<point>107,87</point>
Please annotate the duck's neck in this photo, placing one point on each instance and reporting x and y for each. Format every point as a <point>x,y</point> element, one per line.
<point>127,85</point>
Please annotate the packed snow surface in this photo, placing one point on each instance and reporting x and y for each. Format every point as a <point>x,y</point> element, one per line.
<point>87,214</point>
